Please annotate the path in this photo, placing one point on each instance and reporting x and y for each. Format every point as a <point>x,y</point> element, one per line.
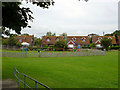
<point>9,83</point>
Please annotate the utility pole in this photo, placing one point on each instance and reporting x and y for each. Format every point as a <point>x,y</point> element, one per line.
<point>103,33</point>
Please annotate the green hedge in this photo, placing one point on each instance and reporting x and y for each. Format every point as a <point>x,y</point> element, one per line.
<point>86,47</point>
<point>114,47</point>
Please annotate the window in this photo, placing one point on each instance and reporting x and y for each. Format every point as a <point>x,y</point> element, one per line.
<point>99,38</point>
<point>74,39</point>
<point>48,40</point>
<point>83,39</point>
<point>57,39</point>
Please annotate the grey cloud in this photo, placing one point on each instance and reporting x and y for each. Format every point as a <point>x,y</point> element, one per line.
<point>80,19</point>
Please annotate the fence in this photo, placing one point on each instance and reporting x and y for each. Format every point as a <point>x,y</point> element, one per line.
<point>10,47</point>
<point>16,74</point>
<point>53,54</point>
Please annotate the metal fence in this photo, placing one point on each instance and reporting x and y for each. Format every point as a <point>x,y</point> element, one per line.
<point>54,54</point>
<point>16,74</point>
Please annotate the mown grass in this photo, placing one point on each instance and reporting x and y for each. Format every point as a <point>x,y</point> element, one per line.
<point>67,72</point>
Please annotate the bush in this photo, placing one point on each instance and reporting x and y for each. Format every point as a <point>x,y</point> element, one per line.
<point>92,45</point>
<point>86,47</point>
<point>12,41</point>
<point>51,46</point>
<point>114,47</point>
<point>4,42</point>
<point>60,44</point>
<point>44,47</point>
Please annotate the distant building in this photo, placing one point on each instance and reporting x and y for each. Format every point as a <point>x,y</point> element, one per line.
<point>118,42</point>
<point>50,40</point>
<point>25,38</point>
<point>97,39</point>
<point>77,40</point>
<point>71,40</point>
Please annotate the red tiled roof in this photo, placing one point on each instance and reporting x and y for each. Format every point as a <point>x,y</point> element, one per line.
<point>78,39</point>
<point>95,38</point>
<point>25,38</point>
<point>52,39</point>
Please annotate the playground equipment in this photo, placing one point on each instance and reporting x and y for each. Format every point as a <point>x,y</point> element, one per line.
<point>25,46</point>
<point>78,48</point>
<point>38,50</point>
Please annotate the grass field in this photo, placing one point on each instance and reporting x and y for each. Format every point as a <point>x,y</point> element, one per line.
<point>67,72</point>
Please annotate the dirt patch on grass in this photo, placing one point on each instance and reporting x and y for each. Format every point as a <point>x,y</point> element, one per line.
<point>9,83</point>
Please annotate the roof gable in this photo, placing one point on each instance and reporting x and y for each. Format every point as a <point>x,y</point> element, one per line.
<point>79,39</point>
<point>97,38</point>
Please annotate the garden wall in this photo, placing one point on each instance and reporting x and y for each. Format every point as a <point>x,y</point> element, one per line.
<point>53,54</point>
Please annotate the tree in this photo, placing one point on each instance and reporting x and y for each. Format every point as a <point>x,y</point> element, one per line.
<point>106,42</point>
<point>50,34</point>
<point>60,44</point>
<point>37,41</point>
<point>4,42</point>
<point>90,36</point>
<point>65,36</point>
<point>18,44</point>
<point>12,41</point>
<point>25,34</point>
<point>108,35</point>
<point>15,17</point>
<point>115,33</point>
<point>90,39</point>
<point>92,45</point>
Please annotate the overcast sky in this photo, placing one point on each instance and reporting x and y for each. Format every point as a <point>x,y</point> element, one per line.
<point>74,17</point>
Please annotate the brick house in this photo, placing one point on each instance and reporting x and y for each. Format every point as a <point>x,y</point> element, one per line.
<point>97,39</point>
<point>118,42</point>
<point>71,40</point>
<point>77,40</point>
<point>50,40</point>
<point>29,39</point>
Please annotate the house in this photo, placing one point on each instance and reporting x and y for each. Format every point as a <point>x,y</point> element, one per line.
<point>77,40</point>
<point>50,40</point>
<point>118,42</point>
<point>25,38</point>
<point>97,39</point>
<point>71,40</point>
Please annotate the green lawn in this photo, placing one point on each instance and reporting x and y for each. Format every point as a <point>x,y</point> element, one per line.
<point>67,72</point>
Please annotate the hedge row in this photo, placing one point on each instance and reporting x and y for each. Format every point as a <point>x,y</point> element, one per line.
<point>86,47</point>
<point>115,47</point>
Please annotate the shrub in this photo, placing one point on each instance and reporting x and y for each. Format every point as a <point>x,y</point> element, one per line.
<point>105,42</point>
<point>114,47</point>
<point>92,45</point>
<point>4,42</point>
<point>86,47</point>
<point>12,41</point>
<point>60,44</point>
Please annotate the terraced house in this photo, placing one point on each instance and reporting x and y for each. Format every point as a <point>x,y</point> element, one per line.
<point>29,39</point>
<point>77,40</point>
<point>97,39</point>
<point>118,42</point>
<point>50,40</point>
<point>71,40</point>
